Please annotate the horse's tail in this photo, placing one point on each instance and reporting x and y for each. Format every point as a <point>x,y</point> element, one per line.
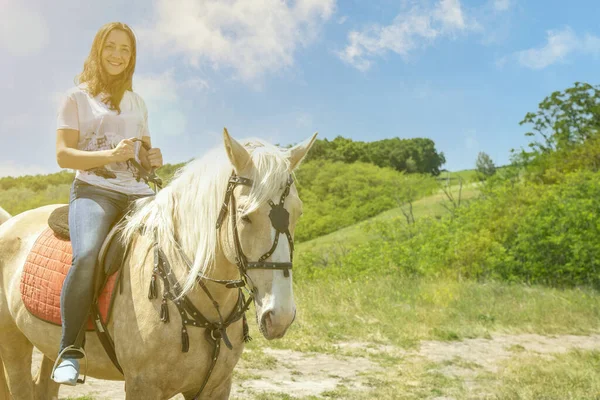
<point>4,394</point>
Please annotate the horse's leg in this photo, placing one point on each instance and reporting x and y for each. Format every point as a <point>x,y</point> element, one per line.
<point>45,388</point>
<point>16,353</point>
<point>142,388</point>
<point>220,392</point>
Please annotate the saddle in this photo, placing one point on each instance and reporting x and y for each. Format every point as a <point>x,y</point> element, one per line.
<point>46,268</point>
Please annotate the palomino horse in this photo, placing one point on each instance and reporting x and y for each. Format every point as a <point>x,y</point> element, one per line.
<point>4,216</point>
<point>244,189</point>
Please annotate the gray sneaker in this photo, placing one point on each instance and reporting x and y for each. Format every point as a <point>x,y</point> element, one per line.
<point>67,372</point>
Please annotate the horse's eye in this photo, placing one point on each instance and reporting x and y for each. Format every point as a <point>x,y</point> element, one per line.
<point>246,218</point>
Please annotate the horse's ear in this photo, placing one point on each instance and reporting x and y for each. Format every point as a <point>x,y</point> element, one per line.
<point>298,152</point>
<point>237,154</point>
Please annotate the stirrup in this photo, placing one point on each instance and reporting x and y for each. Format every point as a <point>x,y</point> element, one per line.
<point>59,358</point>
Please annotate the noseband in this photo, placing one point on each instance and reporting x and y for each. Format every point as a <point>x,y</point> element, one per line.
<point>280,220</point>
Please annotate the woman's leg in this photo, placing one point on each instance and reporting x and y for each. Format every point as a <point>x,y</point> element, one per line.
<point>92,212</point>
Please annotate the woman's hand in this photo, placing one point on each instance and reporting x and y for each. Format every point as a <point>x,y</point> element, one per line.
<point>124,151</point>
<point>155,157</point>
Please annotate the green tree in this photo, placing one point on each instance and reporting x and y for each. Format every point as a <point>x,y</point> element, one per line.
<point>565,118</point>
<point>416,155</point>
<point>484,165</point>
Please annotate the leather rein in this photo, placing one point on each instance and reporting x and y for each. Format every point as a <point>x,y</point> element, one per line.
<point>148,176</point>
<point>190,315</point>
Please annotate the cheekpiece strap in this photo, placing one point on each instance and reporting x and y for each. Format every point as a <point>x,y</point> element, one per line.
<point>234,180</point>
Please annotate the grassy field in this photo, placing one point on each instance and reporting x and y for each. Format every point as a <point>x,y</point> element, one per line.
<point>403,313</point>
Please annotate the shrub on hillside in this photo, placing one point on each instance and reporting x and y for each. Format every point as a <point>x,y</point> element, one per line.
<point>19,199</point>
<point>545,234</point>
<point>336,194</point>
<point>557,241</point>
<point>36,182</point>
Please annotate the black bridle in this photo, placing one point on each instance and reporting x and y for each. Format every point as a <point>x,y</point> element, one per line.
<point>190,315</point>
<point>280,220</point>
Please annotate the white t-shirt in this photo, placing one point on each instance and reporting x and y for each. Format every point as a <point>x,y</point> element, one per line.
<point>101,128</point>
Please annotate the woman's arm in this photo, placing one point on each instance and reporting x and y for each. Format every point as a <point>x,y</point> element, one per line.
<point>68,156</point>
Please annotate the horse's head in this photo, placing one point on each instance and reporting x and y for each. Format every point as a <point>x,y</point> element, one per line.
<point>258,232</point>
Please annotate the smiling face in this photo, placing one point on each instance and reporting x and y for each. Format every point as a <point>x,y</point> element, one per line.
<point>116,52</point>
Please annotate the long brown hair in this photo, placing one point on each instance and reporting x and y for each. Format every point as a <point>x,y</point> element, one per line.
<point>97,79</point>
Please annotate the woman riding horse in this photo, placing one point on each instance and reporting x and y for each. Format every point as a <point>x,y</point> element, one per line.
<point>100,125</point>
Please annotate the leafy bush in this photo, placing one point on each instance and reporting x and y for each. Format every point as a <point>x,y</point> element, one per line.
<point>37,182</point>
<point>520,232</point>
<point>18,199</point>
<point>336,194</point>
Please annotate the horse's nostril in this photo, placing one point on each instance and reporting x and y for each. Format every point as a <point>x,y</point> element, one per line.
<point>266,319</point>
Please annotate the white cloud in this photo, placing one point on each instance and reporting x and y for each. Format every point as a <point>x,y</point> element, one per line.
<point>23,30</point>
<point>253,37</point>
<point>196,83</point>
<point>502,5</point>
<point>161,95</point>
<point>156,88</point>
<point>559,45</point>
<point>450,14</point>
<point>410,31</point>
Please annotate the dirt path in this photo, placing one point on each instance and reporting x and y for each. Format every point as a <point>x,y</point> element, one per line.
<point>304,374</point>
<point>292,372</point>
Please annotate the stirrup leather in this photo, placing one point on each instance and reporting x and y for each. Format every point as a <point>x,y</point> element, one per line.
<point>59,359</point>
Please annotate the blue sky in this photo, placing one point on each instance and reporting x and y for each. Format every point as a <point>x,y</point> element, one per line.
<point>462,73</point>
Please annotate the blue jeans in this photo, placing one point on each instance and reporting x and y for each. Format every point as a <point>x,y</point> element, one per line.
<point>92,213</point>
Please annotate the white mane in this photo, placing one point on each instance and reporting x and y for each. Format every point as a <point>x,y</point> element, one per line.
<point>4,216</point>
<point>185,212</point>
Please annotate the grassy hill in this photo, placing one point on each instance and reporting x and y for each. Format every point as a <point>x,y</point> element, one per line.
<point>430,206</point>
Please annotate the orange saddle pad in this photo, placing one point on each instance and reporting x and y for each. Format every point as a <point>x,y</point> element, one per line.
<point>45,270</point>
